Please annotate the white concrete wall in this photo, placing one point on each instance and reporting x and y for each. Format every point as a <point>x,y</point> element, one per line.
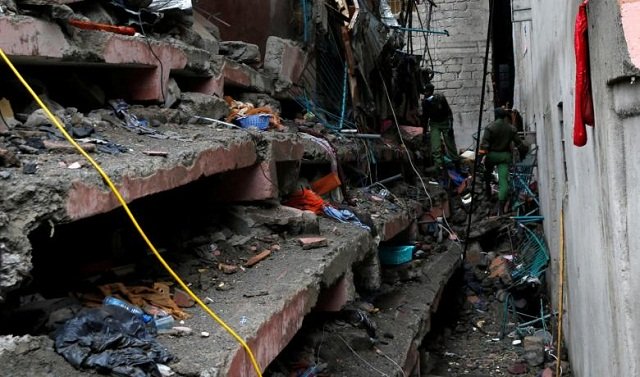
<point>458,59</point>
<point>602,204</point>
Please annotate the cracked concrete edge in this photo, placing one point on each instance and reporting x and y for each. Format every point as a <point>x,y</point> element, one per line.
<point>343,259</point>
<point>57,199</point>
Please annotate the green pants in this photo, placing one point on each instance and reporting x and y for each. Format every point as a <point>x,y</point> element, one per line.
<point>439,132</point>
<point>502,161</point>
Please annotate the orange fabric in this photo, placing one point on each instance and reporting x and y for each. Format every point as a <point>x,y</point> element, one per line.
<point>141,296</point>
<point>306,200</point>
<point>325,184</point>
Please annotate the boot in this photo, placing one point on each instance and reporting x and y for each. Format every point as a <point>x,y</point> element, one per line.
<point>501,207</point>
<point>487,188</point>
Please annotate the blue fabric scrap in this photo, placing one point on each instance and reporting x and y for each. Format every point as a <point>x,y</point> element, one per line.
<point>344,216</point>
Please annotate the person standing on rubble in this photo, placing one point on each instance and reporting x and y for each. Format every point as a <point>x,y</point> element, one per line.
<point>496,149</point>
<point>437,117</point>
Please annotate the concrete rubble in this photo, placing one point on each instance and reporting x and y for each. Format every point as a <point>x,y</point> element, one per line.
<point>161,106</point>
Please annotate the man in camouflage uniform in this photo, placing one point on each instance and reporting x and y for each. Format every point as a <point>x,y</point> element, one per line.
<point>438,118</point>
<point>496,147</point>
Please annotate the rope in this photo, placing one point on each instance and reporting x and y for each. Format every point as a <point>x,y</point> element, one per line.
<point>484,83</point>
<point>120,199</point>
<point>560,293</point>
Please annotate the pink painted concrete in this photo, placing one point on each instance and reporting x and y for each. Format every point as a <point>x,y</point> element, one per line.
<point>211,86</point>
<point>397,224</point>
<point>293,63</point>
<point>257,182</point>
<point>274,334</point>
<point>334,298</point>
<point>86,200</point>
<point>253,21</point>
<point>26,36</point>
<point>236,74</point>
<point>630,10</point>
<point>412,361</point>
<point>145,84</point>
<point>286,150</point>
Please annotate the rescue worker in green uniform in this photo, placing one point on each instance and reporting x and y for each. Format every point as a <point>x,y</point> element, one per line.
<point>438,118</point>
<point>496,147</point>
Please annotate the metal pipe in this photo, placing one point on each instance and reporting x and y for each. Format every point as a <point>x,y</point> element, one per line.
<point>363,136</point>
<point>386,180</point>
<point>537,320</point>
<point>217,121</point>
<point>417,30</point>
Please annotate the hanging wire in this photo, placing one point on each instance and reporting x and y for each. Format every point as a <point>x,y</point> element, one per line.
<point>480,113</point>
<point>323,89</point>
<point>427,26</point>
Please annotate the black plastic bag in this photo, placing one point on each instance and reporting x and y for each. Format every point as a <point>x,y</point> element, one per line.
<point>110,339</point>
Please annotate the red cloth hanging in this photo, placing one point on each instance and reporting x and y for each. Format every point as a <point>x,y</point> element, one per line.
<point>584,99</point>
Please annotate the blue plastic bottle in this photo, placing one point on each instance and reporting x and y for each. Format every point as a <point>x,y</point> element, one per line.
<point>112,301</point>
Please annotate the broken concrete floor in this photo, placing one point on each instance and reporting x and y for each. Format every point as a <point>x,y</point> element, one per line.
<point>285,286</point>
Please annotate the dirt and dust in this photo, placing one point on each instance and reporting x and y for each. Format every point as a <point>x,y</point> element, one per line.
<point>215,264</point>
<point>31,199</point>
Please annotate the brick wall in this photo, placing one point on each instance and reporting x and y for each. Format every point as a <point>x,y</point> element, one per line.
<point>458,60</point>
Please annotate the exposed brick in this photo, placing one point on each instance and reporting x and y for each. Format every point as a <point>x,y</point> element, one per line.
<point>64,147</point>
<point>182,298</point>
<point>258,258</point>
<point>227,268</point>
<point>312,242</point>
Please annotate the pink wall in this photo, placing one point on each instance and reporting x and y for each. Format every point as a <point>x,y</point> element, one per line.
<point>630,10</point>
<point>252,20</point>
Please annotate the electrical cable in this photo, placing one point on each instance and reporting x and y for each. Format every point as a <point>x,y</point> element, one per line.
<point>476,162</point>
<point>135,223</point>
<point>560,292</point>
<point>164,99</point>
<point>361,358</point>
<point>426,51</point>
<point>395,119</point>
<point>379,352</point>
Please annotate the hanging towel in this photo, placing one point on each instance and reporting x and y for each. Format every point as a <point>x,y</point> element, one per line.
<point>584,100</point>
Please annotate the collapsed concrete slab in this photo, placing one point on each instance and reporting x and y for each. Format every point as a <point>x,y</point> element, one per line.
<point>241,52</point>
<point>289,284</point>
<point>142,66</point>
<point>27,36</point>
<point>57,194</point>
<point>285,60</point>
<point>242,76</point>
<point>403,320</point>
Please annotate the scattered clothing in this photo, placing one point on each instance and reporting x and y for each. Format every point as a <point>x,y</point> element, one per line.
<point>344,216</point>
<point>306,200</point>
<point>143,297</point>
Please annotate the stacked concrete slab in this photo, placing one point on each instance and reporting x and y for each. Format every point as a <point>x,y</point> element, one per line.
<point>253,165</point>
